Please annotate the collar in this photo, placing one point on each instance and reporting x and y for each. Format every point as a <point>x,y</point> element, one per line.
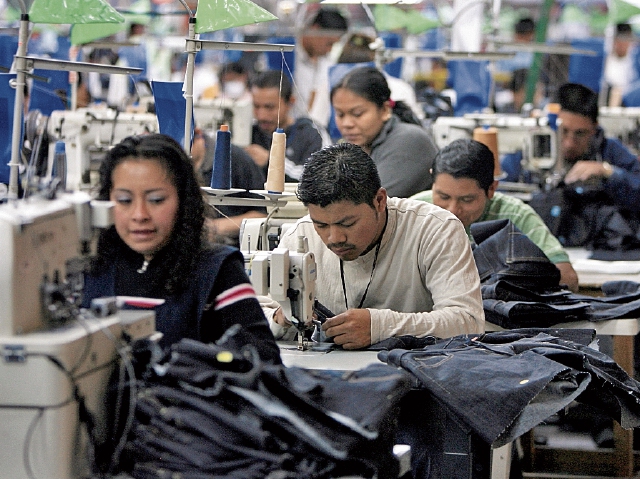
<point>385,131</point>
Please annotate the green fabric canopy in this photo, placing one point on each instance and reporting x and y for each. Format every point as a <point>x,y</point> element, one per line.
<point>73,11</point>
<point>213,15</point>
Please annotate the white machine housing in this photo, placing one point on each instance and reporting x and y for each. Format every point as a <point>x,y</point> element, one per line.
<point>237,114</point>
<point>41,434</point>
<point>532,136</point>
<point>45,370</point>
<point>622,123</point>
<point>88,133</point>
<point>38,237</point>
<point>289,277</point>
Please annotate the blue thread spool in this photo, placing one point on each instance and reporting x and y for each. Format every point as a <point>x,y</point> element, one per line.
<point>221,175</point>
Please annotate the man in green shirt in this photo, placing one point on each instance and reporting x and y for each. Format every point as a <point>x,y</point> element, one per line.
<point>464,185</point>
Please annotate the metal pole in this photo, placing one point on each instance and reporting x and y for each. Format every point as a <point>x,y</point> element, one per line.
<point>541,35</point>
<point>20,62</point>
<point>188,94</point>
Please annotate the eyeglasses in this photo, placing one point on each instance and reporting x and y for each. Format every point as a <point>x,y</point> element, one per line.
<point>578,135</point>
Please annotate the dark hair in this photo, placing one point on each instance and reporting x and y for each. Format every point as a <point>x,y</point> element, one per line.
<point>524,26</point>
<point>624,30</point>
<point>187,237</point>
<point>356,49</point>
<point>466,158</point>
<point>579,99</point>
<point>329,19</point>
<point>518,79</point>
<point>233,67</point>
<point>342,172</point>
<point>272,79</point>
<point>370,84</point>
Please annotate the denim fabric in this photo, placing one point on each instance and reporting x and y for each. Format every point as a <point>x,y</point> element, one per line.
<point>501,251</point>
<point>521,314</point>
<point>209,411</point>
<point>503,384</point>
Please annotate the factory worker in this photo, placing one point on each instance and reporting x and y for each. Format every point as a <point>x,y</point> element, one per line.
<point>386,266</point>
<point>156,249</point>
<point>312,62</point>
<point>589,155</point>
<point>366,116</point>
<point>464,185</point>
<point>272,102</point>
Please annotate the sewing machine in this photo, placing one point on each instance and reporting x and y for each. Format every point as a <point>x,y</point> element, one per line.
<point>532,136</point>
<point>56,358</point>
<point>238,114</point>
<point>88,134</point>
<point>622,123</point>
<point>288,277</point>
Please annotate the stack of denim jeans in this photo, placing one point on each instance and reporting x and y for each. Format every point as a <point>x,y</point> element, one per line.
<point>520,286</point>
<point>207,411</point>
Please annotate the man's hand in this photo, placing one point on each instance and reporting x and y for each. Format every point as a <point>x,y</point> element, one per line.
<point>351,330</point>
<point>583,170</point>
<point>259,154</point>
<point>281,319</point>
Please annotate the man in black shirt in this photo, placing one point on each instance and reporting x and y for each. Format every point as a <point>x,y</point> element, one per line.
<point>272,103</point>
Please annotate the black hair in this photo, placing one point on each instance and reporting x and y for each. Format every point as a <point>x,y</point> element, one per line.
<point>272,79</point>
<point>518,79</point>
<point>524,26</point>
<point>187,237</point>
<point>234,67</point>
<point>329,19</point>
<point>579,99</point>
<point>342,172</point>
<point>466,158</point>
<point>370,84</point>
<point>624,30</point>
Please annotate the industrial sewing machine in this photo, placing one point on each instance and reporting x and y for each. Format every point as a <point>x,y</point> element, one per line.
<point>88,133</point>
<point>286,276</point>
<point>532,136</point>
<point>56,359</point>
<point>238,114</point>
<point>622,123</point>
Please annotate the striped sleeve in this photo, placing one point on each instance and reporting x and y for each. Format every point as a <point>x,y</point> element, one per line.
<point>233,295</point>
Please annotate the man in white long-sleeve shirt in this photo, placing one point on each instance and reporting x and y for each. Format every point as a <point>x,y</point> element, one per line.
<point>386,266</point>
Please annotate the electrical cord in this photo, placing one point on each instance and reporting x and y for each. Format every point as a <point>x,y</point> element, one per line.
<point>123,349</point>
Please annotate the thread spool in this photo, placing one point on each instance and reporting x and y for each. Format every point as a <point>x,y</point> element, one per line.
<point>221,174</point>
<point>489,137</point>
<point>275,172</point>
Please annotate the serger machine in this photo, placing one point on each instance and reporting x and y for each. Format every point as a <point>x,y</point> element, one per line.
<point>56,358</point>
<point>88,133</point>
